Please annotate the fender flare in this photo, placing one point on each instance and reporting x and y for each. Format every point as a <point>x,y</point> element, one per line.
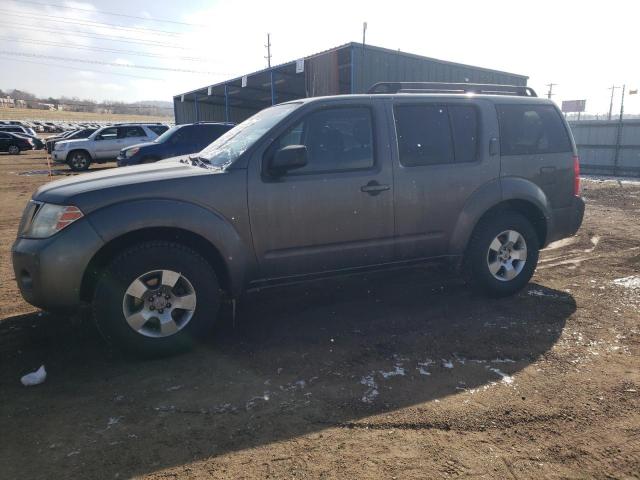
<point>116,220</point>
<point>489,196</point>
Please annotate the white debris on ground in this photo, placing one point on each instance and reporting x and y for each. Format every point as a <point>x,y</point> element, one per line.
<point>372,388</point>
<point>628,282</point>
<point>252,402</point>
<point>34,378</point>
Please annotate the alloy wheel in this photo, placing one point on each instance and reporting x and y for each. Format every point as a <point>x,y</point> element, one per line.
<point>507,255</point>
<point>159,303</point>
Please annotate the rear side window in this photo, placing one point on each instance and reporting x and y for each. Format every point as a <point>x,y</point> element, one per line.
<point>464,122</point>
<point>129,132</point>
<point>531,129</point>
<point>424,135</point>
<point>158,129</point>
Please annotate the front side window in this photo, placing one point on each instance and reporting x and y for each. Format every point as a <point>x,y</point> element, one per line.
<point>337,139</point>
<point>531,129</point>
<point>110,133</point>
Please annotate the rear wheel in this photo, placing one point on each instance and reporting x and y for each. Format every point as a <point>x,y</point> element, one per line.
<point>156,299</point>
<point>503,253</point>
<point>14,150</point>
<point>78,161</point>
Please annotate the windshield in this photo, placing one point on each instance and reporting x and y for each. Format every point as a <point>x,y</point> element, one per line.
<point>226,149</point>
<point>165,136</point>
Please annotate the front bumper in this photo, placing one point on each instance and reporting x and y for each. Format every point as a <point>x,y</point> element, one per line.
<point>59,156</point>
<point>566,221</point>
<point>49,271</point>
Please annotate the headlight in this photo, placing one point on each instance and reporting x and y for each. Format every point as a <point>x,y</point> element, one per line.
<point>131,152</point>
<point>48,219</point>
<point>61,146</point>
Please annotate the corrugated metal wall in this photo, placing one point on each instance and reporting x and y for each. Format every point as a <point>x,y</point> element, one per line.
<point>600,152</point>
<point>377,65</point>
<point>186,112</point>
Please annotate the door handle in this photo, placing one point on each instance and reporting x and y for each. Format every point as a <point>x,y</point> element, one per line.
<point>374,188</point>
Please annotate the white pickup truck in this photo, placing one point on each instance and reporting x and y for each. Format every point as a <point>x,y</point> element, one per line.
<point>104,144</point>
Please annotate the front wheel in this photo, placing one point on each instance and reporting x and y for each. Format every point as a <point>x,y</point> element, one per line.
<point>156,299</point>
<point>503,254</point>
<point>78,161</point>
<point>14,150</point>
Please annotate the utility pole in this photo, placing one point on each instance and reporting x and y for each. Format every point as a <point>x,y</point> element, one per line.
<point>613,89</point>
<point>619,133</point>
<point>268,46</point>
<point>550,92</point>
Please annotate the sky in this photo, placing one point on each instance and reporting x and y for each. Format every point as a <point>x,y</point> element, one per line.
<point>154,49</point>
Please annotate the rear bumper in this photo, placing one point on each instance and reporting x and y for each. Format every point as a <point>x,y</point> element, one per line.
<point>566,221</point>
<point>49,271</point>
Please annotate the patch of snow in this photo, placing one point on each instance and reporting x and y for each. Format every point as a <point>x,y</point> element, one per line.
<point>372,390</point>
<point>540,293</point>
<point>422,366</point>
<point>398,370</point>
<point>628,282</point>
<point>447,363</point>
<point>508,379</point>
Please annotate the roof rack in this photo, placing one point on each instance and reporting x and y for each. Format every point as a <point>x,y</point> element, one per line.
<point>452,88</point>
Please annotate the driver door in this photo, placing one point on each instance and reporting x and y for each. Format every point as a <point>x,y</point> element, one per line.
<point>334,213</point>
<point>107,144</point>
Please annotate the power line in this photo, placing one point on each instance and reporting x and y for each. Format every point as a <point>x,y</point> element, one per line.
<point>112,13</point>
<point>67,67</point>
<point>111,64</point>
<point>98,49</point>
<point>97,36</point>
<point>89,23</point>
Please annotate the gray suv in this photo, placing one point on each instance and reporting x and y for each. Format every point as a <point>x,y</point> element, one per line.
<point>482,176</point>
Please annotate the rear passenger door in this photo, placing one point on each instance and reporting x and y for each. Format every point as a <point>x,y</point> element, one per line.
<point>535,144</point>
<point>337,211</point>
<point>130,136</point>
<point>442,158</point>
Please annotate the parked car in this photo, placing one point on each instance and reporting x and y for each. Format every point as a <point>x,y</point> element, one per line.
<point>69,135</point>
<point>104,144</point>
<point>179,140</point>
<point>310,188</point>
<point>13,143</point>
<point>35,141</point>
<point>17,129</point>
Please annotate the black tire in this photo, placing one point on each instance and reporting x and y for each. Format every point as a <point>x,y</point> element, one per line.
<point>110,298</point>
<point>13,150</point>
<point>479,256</point>
<point>78,160</point>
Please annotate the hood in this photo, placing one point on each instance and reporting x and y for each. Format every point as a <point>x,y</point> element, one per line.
<point>73,140</point>
<point>90,190</point>
<point>140,145</point>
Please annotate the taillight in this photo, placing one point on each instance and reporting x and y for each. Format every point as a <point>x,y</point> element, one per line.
<point>576,175</point>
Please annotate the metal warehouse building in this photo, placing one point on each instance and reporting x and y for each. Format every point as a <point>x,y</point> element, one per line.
<point>350,68</point>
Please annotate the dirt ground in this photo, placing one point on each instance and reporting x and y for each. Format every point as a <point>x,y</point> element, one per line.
<point>403,375</point>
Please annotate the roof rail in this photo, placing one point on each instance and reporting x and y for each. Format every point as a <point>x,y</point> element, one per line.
<point>452,88</point>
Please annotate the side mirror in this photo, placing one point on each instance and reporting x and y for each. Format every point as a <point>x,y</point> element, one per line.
<point>288,158</point>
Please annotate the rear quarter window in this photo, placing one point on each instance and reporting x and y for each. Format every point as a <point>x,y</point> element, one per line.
<point>531,129</point>
<point>158,129</point>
